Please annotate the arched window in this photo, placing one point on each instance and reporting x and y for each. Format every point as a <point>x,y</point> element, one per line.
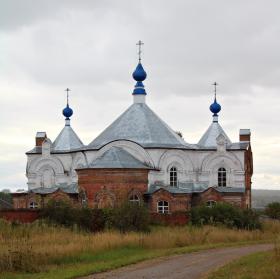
<point>163,207</point>
<point>210,203</point>
<point>134,199</point>
<point>105,199</point>
<point>33,205</point>
<point>222,177</point>
<point>173,176</point>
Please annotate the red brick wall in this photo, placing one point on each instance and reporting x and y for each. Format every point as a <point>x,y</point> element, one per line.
<point>111,187</point>
<point>22,200</point>
<point>237,199</point>
<point>39,141</point>
<point>248,159</point>
<point>72,199</point>
<point>244,137</point>
<point>177,202</point>
<point>23,216</point>
<point>210,194</point>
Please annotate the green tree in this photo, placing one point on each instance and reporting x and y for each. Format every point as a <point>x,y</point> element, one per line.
<point>131,217</point>
<point>273,210</point>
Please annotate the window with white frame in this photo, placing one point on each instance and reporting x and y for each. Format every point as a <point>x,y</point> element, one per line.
<point>222,177</point>
<point>173,175</point>
<point>33,205</point>
<point>210,203</point>
<point>134,199</point>
<point>163,207</point>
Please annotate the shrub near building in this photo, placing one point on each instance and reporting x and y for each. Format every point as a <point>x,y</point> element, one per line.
<point>225,214</point>
<point>125,218</point>
<point>131,217</point>
<point>62,213</point>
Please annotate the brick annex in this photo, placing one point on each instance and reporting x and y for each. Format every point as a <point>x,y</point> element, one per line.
<point>139,158</point>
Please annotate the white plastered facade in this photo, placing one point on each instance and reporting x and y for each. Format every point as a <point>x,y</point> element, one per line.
<point>193,166</point>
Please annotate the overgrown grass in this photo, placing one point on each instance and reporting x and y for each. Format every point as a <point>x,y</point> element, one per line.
<point>41,251</point>
<point>262,265</point>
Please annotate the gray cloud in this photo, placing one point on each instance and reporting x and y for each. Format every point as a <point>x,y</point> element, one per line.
<point>89,46</point>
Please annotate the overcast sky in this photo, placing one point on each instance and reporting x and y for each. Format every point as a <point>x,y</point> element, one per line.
<point>90,47</point>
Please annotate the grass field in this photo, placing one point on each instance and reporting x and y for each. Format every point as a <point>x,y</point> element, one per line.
<point>263,265</point>
<point>39,251</point>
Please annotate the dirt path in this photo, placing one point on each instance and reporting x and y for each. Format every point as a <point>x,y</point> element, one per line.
<point>187,266</point>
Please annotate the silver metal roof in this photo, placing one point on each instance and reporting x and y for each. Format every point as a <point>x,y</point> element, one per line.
<point>194,186</point>
<point>170,189</point>
<point>117,157</point>
<point>69,189</point>
<point>35,150</point>
<point>230,189</point>
<point>245,132</point>
<point>194,189</point>
<point>210,136</point>
<point>67,140</point>
<point>41,134</point>
<point>141,125</point>
<point>239,145</point>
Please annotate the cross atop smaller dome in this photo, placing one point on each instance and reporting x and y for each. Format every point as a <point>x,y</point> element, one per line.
<point>67,111</point>
<point>215,107</point>
<point>139,74</point>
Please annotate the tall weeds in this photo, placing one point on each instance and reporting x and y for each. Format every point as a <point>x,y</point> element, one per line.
<point>277,248</point>
<point>35,246</point>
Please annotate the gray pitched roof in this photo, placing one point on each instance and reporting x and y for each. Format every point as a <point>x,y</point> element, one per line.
<point>117,157</point>
<point>170,189</point>
<point>35,150</point>
<point>69,189</point>
<point>210,136</point>
<point>141,125</point>
<point>193,187</point>
<point>230,189</point>
<point>67,140</point>
<point>239,145</point>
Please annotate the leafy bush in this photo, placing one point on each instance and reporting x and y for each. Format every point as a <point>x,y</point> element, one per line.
<point>131,217</point>
<point>59,212</point>
<point>91,219</point>
<point>273,210</point>
<point>62,213</point>
<point>225,214</point>
<point>128,217</point>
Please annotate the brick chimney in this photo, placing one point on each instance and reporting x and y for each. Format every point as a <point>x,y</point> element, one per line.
<point>40,137</point>
<point>244,135</point>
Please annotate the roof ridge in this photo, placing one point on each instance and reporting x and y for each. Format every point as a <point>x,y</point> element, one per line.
<point>139,123</point>
<point>208,139</point>
<point>117,157</point>
<point>67,139</point>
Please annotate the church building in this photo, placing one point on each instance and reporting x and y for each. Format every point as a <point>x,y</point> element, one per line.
<point>139,158</point>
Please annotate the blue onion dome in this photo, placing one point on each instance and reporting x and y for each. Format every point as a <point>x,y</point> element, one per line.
<point>139,74</point>
<point>67,112</point>
<point>215,108</point>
